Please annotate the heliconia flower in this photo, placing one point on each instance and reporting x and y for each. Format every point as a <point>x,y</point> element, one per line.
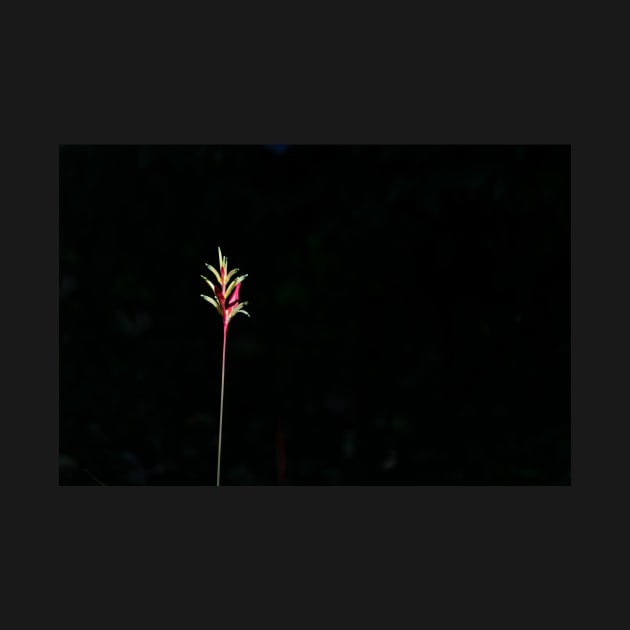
<point>226,293</point>
<point>225,300</point>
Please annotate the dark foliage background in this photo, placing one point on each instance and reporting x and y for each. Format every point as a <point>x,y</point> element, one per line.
<point>410,314</point>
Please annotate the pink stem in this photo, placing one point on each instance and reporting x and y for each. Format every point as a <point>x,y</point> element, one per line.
<point>225,327</point>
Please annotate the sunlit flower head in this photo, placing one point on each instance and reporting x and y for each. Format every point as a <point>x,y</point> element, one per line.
<point>226,293</point>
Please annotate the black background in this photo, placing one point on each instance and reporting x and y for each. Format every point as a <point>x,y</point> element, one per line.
<point>410,318</point>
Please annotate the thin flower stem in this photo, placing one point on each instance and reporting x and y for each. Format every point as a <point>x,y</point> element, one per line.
<point>221,412</point>
<point>226,302</point>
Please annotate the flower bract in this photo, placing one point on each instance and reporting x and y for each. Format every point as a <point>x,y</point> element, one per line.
<point>226,292</point>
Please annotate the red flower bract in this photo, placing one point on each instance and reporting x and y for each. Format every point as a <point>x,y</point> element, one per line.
<point>226,293</point>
